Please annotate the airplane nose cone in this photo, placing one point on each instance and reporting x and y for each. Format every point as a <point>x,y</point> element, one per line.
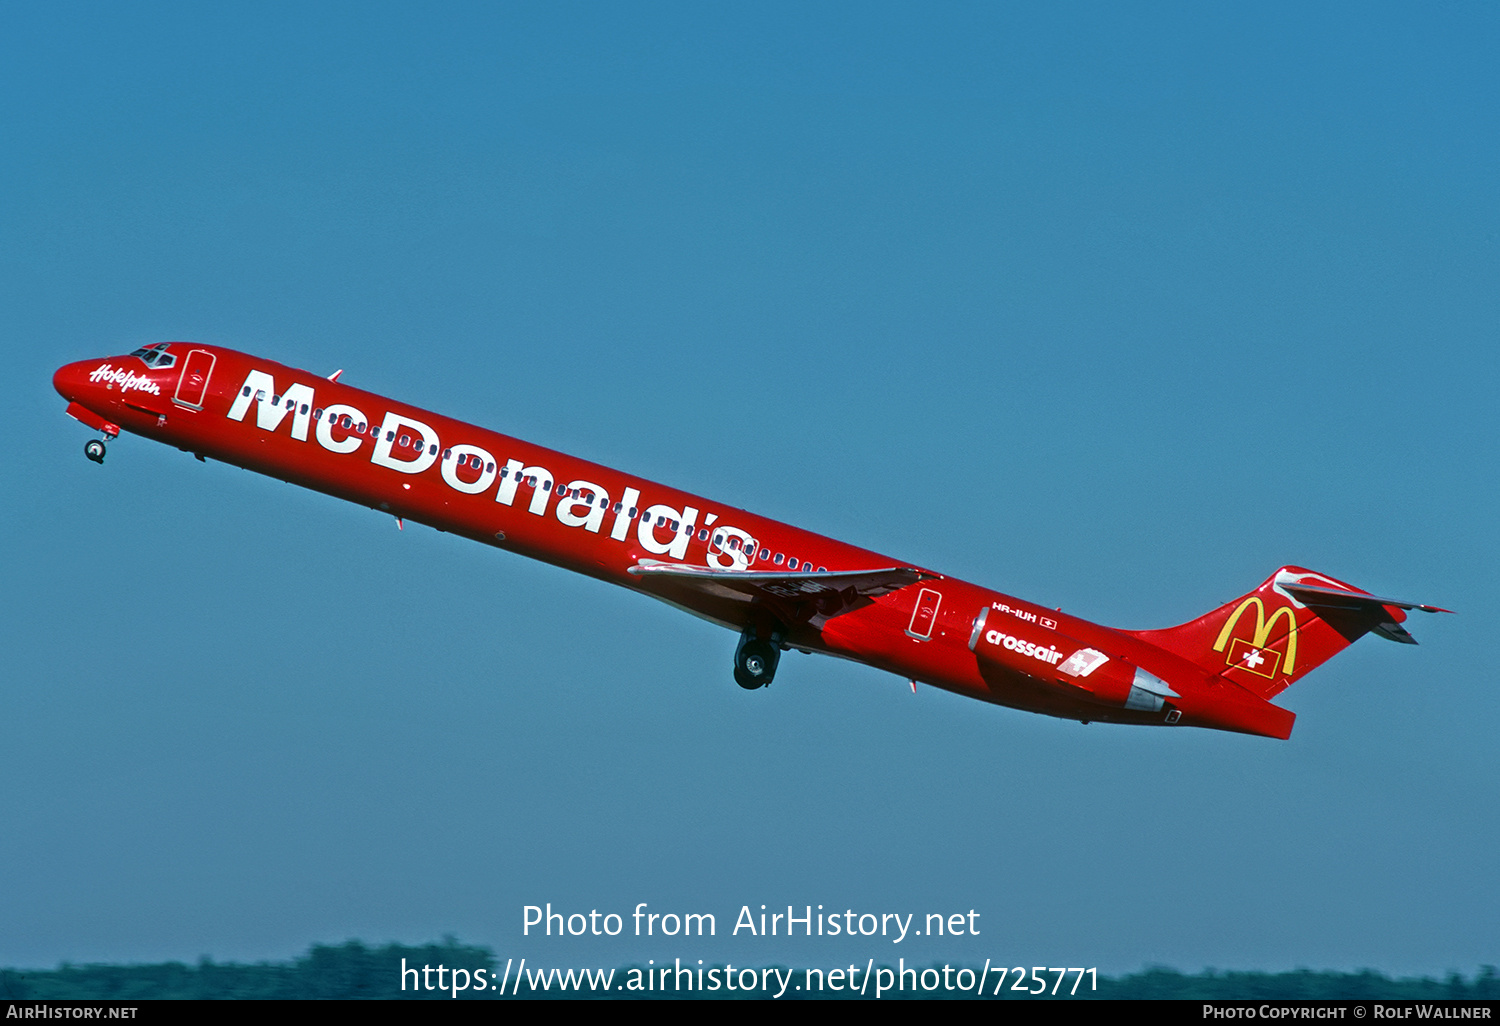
<point>70,380</point>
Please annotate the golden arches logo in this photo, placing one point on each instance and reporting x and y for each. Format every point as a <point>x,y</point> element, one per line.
<point>1263,628</point>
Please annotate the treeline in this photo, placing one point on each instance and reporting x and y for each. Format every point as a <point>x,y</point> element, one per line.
<point>327,972</point>
<point>356,971</point>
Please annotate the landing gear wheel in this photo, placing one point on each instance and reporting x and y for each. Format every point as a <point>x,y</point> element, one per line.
<point>755,663</point>
<point>94,450</point>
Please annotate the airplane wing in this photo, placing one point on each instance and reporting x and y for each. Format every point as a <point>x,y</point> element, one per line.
<point>812,597</point>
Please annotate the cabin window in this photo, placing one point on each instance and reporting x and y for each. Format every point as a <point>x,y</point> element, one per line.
<point>432,449</point>
<point>734,543</point>
<point>447,454</point>
<point>619,506</point>
<point>703,534</point>
<point>245,390</point>
<point>791,563</point>
<point>275,400</point>
<point>405,440</point>
<point>489,468</point>
<point>304,409</point>
<point>777,559</point>
<point>318,413</point>
<point>822,569</point>
<point>632,512</point>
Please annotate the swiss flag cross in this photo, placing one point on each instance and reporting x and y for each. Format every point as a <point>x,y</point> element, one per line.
<point>1261,661</point>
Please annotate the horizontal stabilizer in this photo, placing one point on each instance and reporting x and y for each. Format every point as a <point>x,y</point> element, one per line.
<point>1368,607</point>
<point>1333,598</point>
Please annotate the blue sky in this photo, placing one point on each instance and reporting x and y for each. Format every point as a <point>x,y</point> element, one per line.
<point>1114,309</point>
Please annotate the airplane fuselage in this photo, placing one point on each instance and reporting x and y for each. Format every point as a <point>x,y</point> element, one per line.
<point>767,580</point>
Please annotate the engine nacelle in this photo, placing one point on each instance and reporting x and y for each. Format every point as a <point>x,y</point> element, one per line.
<point>1066,663</point>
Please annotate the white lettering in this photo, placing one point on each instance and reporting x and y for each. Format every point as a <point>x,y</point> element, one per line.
<point>127,380</point>
<point>461,456</point>
<point>665,518</point>
<point>426,452</point>
<point>593,500</point>
<point>539,479</point>
<point>622,517</point>
<point>720,549</point>
<point>271,409</point>
<point>1031,649</point>
<point>744,921</point>
<point>349,442</point>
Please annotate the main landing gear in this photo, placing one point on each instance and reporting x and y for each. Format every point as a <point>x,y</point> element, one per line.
<point>755,659</point>
<point>94,450</point>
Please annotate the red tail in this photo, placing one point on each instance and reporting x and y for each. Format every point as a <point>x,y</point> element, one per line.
<point>1297,620</point>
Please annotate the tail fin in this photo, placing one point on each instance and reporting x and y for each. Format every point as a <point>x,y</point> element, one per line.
<point>1270,638</point>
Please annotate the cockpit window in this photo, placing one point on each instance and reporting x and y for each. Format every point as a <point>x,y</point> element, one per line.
<point>156,357</point>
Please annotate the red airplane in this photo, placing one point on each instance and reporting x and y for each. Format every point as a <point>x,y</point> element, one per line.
<point>778,586</point>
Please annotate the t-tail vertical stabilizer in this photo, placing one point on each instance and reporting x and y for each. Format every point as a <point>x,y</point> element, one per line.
<point>1267,640</point>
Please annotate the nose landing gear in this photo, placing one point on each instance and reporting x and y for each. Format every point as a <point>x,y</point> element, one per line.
<point>94,450</point>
